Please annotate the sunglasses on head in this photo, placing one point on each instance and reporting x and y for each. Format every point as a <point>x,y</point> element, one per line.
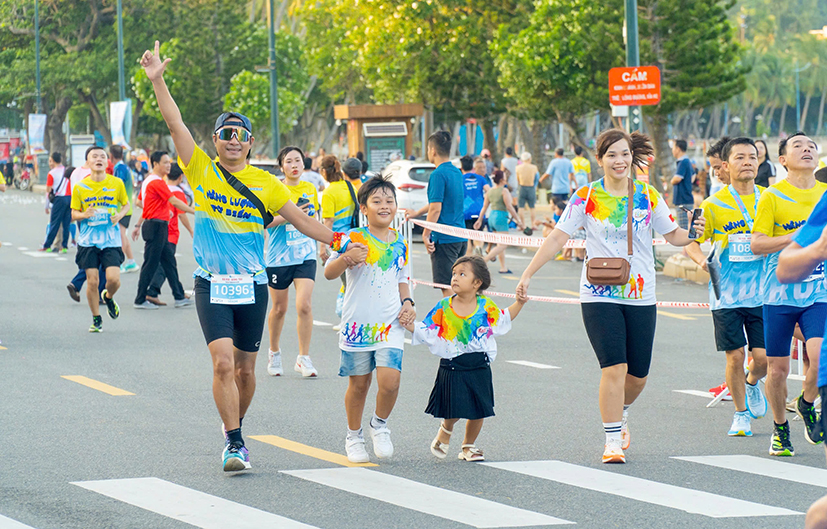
<point>242,135</point>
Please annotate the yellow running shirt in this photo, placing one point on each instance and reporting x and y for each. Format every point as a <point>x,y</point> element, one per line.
<point>782,209</point>
<point>229,230</point>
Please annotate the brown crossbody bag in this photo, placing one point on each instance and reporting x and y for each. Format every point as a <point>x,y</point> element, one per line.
<point>614,270</point>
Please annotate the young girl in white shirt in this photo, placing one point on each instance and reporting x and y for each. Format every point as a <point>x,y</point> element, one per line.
<point>461,330</point>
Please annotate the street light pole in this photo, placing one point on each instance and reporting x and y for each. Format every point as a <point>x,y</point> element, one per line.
<point>632,56</point>
<point>274,91</point>
<point>121,80</point>
<point>37,55</point>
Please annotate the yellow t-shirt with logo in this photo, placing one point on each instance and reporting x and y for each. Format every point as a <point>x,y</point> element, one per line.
<point>229,230</point>
<point>582,169</point>
<point>108,197</point>
<point>287,246</point>
<point>338,205</point>
<point>782,209</point>
<point>728,229</point>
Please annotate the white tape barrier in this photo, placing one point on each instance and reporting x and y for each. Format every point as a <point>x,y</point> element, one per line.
<point>500,238</point>
<point>567,301</point>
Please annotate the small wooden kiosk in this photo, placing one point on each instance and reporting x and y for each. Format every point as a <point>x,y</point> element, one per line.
<point>383,132</point>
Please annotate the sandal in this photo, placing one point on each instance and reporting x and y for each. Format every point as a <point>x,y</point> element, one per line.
<point>440,450</point>
<point>473,454</point>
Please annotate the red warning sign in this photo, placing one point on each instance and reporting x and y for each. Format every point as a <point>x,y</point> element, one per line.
<point>634,85</point>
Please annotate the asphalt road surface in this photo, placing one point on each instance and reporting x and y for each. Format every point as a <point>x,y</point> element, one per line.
<point>79,457</point>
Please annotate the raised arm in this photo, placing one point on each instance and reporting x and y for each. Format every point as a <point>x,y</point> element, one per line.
<point>154,68</point>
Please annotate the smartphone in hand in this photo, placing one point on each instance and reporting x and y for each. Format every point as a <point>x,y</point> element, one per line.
<point>696,214</point>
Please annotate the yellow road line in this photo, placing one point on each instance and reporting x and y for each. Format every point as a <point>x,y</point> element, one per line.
<point>100,386</point>
<point>569,292</point>
<point>673,315</point>
<point>2,348</point>
<point>299,448</point>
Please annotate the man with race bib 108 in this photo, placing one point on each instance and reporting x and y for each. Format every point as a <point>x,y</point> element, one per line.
<point>232,199</point>
<point>737,313</point>
<point>782,209</point>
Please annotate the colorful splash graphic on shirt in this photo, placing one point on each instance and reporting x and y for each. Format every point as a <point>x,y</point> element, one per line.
<point>366,333</point>
<point>604,207</point>
<point>633,289</point>
<point>451,327</point>
<point>378,253</point>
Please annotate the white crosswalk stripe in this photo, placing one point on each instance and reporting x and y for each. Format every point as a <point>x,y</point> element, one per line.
<point>188,505</point>
<point>531,364</point>
<point>762,466</point>
<point>608,482</point>
<point>8,523</point>
<point>427,499</point>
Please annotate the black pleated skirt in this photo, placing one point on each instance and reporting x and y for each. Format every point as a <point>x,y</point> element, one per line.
<point>463,388</point>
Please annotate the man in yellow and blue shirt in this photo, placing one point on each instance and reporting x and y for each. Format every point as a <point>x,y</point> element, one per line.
<point>782,209</point>
<point>736,307</point>
<point>231,285</point>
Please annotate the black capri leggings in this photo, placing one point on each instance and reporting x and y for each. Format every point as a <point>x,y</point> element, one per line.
<point>621,334</point>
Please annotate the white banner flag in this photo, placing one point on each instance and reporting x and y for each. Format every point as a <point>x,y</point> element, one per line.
<point>37,133</point>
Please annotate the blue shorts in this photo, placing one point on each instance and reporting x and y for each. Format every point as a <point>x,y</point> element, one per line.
<point>779,325</point>
<point>356,363</point>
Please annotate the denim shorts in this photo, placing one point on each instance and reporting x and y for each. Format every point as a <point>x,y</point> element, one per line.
<point>356,363</point>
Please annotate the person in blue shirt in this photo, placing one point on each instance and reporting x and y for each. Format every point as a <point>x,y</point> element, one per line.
<point>682,183</point>
<point>446,195</point>
<point>561,171</point>
<point>476,186</point>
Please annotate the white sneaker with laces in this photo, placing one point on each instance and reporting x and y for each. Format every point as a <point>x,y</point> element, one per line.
<point>741,426</point>
<point>756,401</point>
<point>305,366</point>
<point>356,452</point>
<point>625,436</point>
<point>381,437</point>
<point>274,368</point>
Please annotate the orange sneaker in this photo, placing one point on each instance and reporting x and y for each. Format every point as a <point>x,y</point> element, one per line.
<point>613,453</point>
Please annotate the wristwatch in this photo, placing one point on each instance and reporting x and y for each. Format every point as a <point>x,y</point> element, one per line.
<point>413,304</point>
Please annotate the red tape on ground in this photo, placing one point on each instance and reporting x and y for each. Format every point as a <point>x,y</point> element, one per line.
<point>500,238</point>
<point>568,301</point>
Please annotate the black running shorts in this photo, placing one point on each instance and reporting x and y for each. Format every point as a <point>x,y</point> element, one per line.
<point>243,323</point>
<point>94,257</point>
<point>734,328</point>
<point>281,277</point>
<point>621,334</point>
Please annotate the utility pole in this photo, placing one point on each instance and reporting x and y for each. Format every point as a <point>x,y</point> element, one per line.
<point>37,56</point>
<point>274,91</point>
<point>121,80</point>
<point>632,56</point>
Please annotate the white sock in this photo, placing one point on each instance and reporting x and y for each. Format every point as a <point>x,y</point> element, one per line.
<point>612,430</point>
<point>354,434</point>
<point>626,411</point>
<point>377,422</point>
<point>275,352</point>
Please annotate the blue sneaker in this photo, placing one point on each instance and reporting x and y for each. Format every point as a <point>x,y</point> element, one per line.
<point>756,401</point>
<point>236,458</point>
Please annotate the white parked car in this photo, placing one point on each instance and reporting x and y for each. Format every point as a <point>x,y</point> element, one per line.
<point>411,181</point>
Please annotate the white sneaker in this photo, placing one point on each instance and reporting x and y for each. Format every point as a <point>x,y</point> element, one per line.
<point>613,452</point>
<point>381,437</point>
<point>305,366</point>
<point>274,368</point>
<point>756,401</point>
<point>355,448</point>
<point>740,425</point>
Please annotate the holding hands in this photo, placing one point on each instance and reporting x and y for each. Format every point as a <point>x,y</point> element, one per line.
<point>355,255</point>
